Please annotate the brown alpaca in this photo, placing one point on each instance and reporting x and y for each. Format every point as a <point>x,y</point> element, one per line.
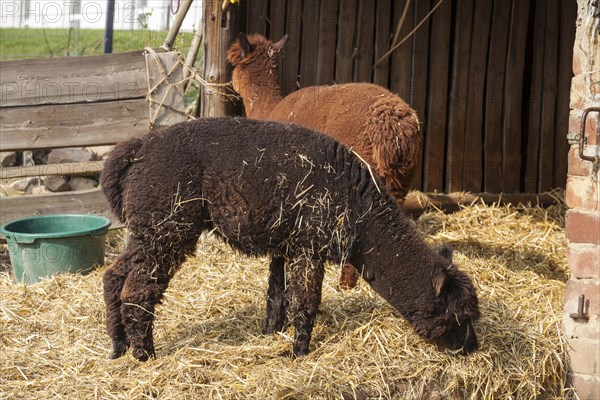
<point>273,189</point>
<point>369,119</point>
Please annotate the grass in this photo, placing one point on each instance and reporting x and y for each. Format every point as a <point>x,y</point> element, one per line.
<point>19,43</point>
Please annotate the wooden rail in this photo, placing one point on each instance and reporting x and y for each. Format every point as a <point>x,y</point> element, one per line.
<point>78,102</point>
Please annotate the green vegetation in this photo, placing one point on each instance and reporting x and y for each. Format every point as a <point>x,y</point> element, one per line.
<point>17,43</point>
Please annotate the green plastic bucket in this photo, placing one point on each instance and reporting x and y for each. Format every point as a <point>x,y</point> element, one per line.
<point>47,245</point>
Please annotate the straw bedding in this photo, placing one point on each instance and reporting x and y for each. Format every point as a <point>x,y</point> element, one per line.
<point>208,342</point>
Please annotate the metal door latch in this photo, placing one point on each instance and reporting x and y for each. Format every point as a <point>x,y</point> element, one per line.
<point>594,159</point>
<point>580,315</point>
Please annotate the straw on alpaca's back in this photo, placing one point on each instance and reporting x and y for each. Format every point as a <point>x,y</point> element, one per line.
<point>371,120</point>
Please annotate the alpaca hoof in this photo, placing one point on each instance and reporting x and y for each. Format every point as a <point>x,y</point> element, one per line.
<point>299,351</point>
<point>143,355</point>
<point>119,347</point>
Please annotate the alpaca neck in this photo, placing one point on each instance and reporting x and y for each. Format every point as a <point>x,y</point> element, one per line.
<point>396,262</point>
<point>261,97</point>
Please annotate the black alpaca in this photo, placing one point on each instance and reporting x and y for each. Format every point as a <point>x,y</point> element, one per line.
<point>270,189</point>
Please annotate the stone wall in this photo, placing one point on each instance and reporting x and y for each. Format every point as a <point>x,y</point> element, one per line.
<point>582,226</point>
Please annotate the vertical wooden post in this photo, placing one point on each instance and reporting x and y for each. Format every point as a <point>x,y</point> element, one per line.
<point>179,17</point>
<point>218,34</point>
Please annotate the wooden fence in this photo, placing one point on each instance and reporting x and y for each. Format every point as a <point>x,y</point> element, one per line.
<point>490,79</point>
<point>78,102</point>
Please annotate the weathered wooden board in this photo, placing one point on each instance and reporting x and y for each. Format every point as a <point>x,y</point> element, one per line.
<point>72,125</point>
<point>401,58</point>
<point>420,81</point>
<point>473,71</point>
<point>291,51</point>
<point>90,201</point>
<point>217,39</point>
<point>363,63</point>
<point>513,91</point>
<point>382,41</point>
<point>257,16</point>
<point>548,107</point>
<point>473,160</point>
<point>73,79</point>
<point>165,88</point>
<point>458,97</point>
<point>310,40</point>
<point>326,50</point>
<point>345,41</point>
<point>78,168</point>
<point>437,99</point>
<point>496,71</point>
<point>534,92</point>
<point>568,14</point>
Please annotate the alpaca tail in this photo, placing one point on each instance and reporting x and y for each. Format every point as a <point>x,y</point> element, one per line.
<point>114,172</point>
<point>397,141</point>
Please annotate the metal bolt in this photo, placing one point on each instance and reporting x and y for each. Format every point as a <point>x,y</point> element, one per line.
<point>580,314</point>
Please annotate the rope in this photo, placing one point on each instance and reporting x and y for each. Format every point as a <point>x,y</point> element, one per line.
<point>167,79</point>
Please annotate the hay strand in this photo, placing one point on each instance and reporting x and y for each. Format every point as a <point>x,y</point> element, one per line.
<point>208,342</point>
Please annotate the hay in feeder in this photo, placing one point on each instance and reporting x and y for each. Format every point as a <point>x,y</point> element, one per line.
<point>208,342</point>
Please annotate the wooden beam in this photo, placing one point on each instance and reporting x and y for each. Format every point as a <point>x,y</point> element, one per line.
<point>77,168</point>
<point>64,80</point>
<point>90,201</point>
<point>72,125</point>
<point>218,34</point>
<point>417,202</point>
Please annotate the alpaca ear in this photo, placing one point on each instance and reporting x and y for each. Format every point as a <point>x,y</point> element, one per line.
<point>279,45</point>
<point>446,252</point>
<point>244,45</point>
<point>439,279</point>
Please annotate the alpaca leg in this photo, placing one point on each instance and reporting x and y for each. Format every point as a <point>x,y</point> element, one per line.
<point>348,277</point>
<point>303,293</point>
<point>143,289</point>
<point>149,276</point>
<point>275,297</point>
<point>113,281</point>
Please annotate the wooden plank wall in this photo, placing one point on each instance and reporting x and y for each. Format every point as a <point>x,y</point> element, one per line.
<point>489,79</point>
<point>74,102</point>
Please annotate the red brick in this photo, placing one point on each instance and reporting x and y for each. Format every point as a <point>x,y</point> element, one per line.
<point>591,129</point>
<point>591,290</point>
<point>582,226</point>
<point>583,193</point>
<point>584,355</point>
<point>577,166</point>
<point>587,387</point>
<point>584,260</point>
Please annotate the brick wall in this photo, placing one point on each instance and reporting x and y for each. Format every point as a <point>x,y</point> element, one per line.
<point>582,226</point>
